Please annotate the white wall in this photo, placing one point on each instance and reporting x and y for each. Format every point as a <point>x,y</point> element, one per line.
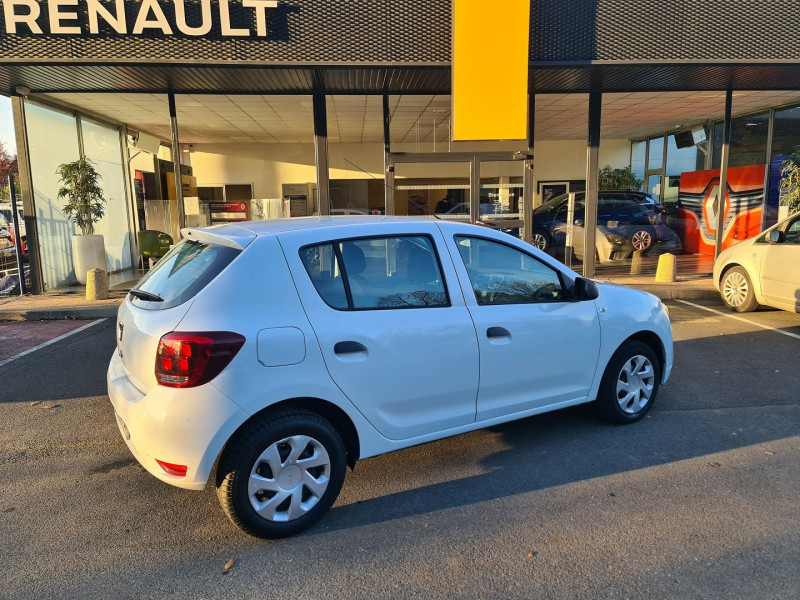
<point>267,166</point>
<point>566,160</point>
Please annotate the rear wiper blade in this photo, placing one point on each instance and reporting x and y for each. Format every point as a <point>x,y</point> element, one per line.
<point>142,295</point>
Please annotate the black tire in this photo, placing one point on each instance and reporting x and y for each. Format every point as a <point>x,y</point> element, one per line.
<point>642,238</point>
<point>736,290</point>
<point>541,239</point>
<point>626,407</point>
<point>283,434</point>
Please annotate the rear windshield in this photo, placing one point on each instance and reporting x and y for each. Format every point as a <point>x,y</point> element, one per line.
<point>183,272</point>
<point>550,204</point>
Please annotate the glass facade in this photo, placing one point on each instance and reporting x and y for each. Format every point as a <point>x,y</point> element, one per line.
<point>638,153</point>
<point>247,157</point>
<point>679,161</point>
<point>747,167</point>
<point>785,140</point>
<point>55,230</point>
<point>100,143</point>
<point>748,141</point>
<point>442,189</point>
<point>355,154</point>
<point>655,155</point>
<point>253,157</point>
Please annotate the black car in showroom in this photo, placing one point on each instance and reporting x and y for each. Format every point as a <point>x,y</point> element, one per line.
<point>630,221</point>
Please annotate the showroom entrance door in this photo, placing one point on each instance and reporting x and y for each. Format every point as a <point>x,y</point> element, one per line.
<point>494,189</point>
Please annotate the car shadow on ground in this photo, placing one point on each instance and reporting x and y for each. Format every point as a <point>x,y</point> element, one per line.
<point>709,406</point>
<point>563,448</point>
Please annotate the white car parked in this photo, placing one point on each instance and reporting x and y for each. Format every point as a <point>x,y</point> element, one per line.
<point>762,270</point>
<point>283,351</point>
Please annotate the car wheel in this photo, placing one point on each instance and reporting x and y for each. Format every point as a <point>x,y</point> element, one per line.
<point>282,475</point>
<point>642,238</point>
<point>540,239</point>
<point>630,383</point>
<point>737,291</point>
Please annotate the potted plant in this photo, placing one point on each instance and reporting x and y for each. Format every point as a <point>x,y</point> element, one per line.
<point>618,179</point>
<point>790,185</point>
<point>85,206</point>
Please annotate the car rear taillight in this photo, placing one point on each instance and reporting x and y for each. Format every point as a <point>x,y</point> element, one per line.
<point>190,359</point>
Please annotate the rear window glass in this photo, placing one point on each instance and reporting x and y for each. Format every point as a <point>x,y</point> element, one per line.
<point>183,272</point>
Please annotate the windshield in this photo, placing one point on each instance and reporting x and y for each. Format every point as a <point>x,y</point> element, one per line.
<point>550,204</point>
<point>185,270</point>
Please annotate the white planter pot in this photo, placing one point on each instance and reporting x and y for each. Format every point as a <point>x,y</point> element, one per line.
<point>88,252</point>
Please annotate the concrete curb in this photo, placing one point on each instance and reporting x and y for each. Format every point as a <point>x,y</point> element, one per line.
<point>53,314</point>
<point>677,292</point>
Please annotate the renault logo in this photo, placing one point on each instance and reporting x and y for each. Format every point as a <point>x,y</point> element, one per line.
<point>121,327</point>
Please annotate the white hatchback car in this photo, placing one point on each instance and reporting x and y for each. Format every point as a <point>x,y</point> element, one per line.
<point>762,270</point>
<point>283,351</point>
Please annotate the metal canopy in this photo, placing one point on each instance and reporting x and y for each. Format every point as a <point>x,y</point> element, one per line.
<point>228,79</point>
<point>75,77</point>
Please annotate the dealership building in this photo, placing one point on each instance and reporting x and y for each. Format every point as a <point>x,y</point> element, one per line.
<point>289,108</point>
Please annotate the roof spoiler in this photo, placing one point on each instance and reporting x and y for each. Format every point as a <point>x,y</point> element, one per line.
<point>222,235</point>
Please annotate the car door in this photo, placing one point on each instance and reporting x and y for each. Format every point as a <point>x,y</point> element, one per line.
<point>394,332</point>
<point>537,347</point>
<point>780,268</point>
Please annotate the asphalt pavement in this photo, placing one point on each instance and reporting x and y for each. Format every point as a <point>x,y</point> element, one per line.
<point>697,500</point>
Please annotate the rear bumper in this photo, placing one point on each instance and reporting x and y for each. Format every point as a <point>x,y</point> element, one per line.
<point>182,427</point>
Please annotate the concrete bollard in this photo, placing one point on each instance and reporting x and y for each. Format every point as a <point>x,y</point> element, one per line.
<point>665,273</point>
<point>636,263</point>
<point>96,284</point>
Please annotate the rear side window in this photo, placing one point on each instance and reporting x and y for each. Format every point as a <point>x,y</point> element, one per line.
<point>377,273</point>
<point>183,272</point>
<point>326,275</point>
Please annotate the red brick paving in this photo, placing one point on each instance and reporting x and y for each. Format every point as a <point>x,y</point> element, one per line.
<point>18,337</point>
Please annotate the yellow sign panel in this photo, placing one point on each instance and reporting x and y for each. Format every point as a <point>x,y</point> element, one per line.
<point>490,69</point>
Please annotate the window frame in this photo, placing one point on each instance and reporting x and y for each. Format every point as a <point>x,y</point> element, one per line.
<point>565,289</point>
<point>346,281</point>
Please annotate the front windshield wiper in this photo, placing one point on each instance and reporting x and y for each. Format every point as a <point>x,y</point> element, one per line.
<point>142,295</point>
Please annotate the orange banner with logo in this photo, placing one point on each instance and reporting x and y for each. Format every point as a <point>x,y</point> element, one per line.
<point>490,69</point>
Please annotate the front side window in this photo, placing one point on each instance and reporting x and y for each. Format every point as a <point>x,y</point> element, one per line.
<point>792,234</point>
<point>377,273</point>
<point>500,274</point>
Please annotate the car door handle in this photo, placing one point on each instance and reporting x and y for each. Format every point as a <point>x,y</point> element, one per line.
<point>497,332</point>
<point>349,347</point>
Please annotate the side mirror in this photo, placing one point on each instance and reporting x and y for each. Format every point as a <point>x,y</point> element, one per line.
<point>586,289</point>
<point>775,237</point>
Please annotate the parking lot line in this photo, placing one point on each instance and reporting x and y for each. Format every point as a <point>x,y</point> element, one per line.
<point>748,321</point>
<point>48,342</point>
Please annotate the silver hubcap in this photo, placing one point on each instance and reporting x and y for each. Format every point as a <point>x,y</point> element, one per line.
<point>642,240</point>
<point>289,478</point>
<point>635,384</point>
<point>735,289</point>
<point>539,241</point>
